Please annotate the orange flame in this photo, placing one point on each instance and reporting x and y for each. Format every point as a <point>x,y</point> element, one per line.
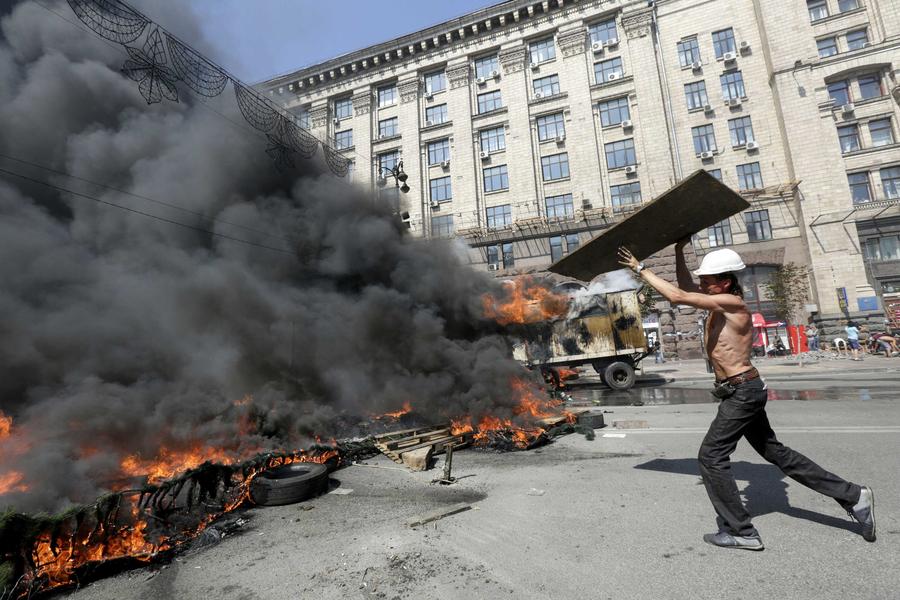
<point>407,408</point>
<point>525,302</point>
<point>169,463</point>
<point>12,482</point>
<point>5,425</point>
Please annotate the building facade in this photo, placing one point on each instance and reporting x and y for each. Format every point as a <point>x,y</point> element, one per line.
<point>528,127</point>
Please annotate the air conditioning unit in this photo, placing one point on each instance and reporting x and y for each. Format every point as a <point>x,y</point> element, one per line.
<point>494,267</point>
<point>627,124</point>
<point>707,155</point>
<point>729,57</point>
<point>697,65</point>
<point>745,46</point>
<point>480,81</point>
<point>445,164</point>
<point>429,95</point>
<point>751,145</point>
<point>732,102</point>
<point>484,154</point>
<point>597,46</point>
<point>611,43</point>
<point>336,121</point>
<point>613,76</point>
<point>539,94</point>
<point>707,108</point>
<point>435,204</point>
<point>495,74</point>
<point>560,138</point>
<point>848,108</point>
<point>429,123</point>
<point>534,66</point>
<point>630,169</point>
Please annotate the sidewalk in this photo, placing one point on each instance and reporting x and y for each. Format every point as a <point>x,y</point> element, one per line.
<point>690,371</point>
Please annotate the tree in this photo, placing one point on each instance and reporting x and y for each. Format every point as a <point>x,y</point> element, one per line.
<point>788,289</point>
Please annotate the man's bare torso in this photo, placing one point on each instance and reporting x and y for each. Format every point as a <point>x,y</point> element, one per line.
<point>729,337</point>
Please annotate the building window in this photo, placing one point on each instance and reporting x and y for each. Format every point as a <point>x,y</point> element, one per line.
<point>387,95</point>
<point>388,127</point>
<point>546,86</point>
<point>704,139</point>
<point>436,114</point>
<point>572,242</point>
<point>818,9</point>
<point>870,86</point>
<point>442,226</point>
<point>849,137</point>
<point>719,234</point>
<point>560,207</point>
<point>613,112</point>
<point>343,108</point>
<point>343,139</point>
<point>550,126</point>
<point>732,85</point>
<point>717,173</point>
<point>499,216</point>
<point>303,118</point>
<point>388,161</point>
<point>758,227</point>
<point>440,189</point>
<point>435,82</point>
<point>493,139</point>
<point>857,39</point>
<point>749,176</point>
<point>890,182</point>
<point>555,166</point>
<point>391,197</point>
<point>494,255</point>
<point>620,154</point>
<point>608,69</point>
<point>627,194</point>
<point>839,92</point>
<point>489,101</point>
<point>884,248</point>
<point>688,52</point>
<point>485,66</point>
<point>438,151</point>
<point>603,31</point>
<point>881,132</point>
<point>741,130</point>
<point>860,189</point>
<point>556,248</point>
<point>723,41</point>
<point>496,179</point>
<point>695,94</point>
<point>845,5</point>
<point>827,47</point>
<point>542,51</point>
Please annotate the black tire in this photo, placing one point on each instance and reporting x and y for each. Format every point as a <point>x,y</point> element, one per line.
<point>289,484</point>
<point>619,375</point>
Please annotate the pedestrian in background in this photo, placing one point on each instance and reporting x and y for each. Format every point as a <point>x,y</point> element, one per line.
<point>853,339</point>
<point>812,337</point>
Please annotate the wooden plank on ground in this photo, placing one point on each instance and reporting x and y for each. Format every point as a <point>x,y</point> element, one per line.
<point>438,514</point>
<point>407,432</point>
<point>416,439</point>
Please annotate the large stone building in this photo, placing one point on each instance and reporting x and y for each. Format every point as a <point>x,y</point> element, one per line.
<point>527,127</point>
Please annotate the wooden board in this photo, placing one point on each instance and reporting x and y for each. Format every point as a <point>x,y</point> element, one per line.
<point>696,203</point>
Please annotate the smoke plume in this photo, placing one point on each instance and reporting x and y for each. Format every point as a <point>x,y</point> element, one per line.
<point>124,336</point>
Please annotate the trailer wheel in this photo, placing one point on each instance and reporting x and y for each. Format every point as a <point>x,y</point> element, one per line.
<point>619,375</point>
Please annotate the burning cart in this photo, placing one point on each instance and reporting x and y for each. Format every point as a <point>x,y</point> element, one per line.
<point>603,330</point>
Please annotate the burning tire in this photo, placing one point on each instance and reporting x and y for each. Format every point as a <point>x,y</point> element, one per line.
<point>619,375</point>
<point>289,484</point>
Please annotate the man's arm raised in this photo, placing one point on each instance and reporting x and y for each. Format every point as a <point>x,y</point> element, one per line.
<point>682,273</point>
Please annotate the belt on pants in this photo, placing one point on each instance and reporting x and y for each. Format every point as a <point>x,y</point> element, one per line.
<point>748,375</point>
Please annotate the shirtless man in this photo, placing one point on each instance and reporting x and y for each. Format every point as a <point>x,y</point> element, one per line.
<point>742,392</point>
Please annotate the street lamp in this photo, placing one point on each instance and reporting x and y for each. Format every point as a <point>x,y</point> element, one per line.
<point>397,173</point>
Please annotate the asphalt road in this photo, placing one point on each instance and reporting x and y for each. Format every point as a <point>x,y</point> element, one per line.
<point>617,517</point>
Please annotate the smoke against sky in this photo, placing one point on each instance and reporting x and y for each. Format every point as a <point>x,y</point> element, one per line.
<point>127,335</point>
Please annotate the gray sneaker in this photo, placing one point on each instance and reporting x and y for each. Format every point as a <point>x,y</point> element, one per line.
<point>726,540</point>
<point>864,513</point>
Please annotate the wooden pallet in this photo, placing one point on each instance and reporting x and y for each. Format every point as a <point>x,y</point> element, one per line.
<point>396,443</point>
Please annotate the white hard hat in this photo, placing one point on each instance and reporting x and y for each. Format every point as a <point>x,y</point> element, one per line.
<point>720,261</point>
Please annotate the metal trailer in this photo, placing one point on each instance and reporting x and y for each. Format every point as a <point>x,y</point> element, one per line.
<point>607,334</point>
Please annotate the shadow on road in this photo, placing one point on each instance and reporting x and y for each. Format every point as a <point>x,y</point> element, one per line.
<point>766,490</point>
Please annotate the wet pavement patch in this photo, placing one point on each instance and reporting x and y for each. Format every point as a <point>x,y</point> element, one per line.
<point>662,396</point>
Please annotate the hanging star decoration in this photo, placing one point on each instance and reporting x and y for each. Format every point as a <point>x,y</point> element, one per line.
<point>148,66</point>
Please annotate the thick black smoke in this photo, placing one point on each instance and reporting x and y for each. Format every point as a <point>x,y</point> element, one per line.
<point>121,334</point>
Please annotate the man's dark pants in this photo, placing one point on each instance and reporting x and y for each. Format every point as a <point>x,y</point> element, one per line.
<point>744,415</point>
